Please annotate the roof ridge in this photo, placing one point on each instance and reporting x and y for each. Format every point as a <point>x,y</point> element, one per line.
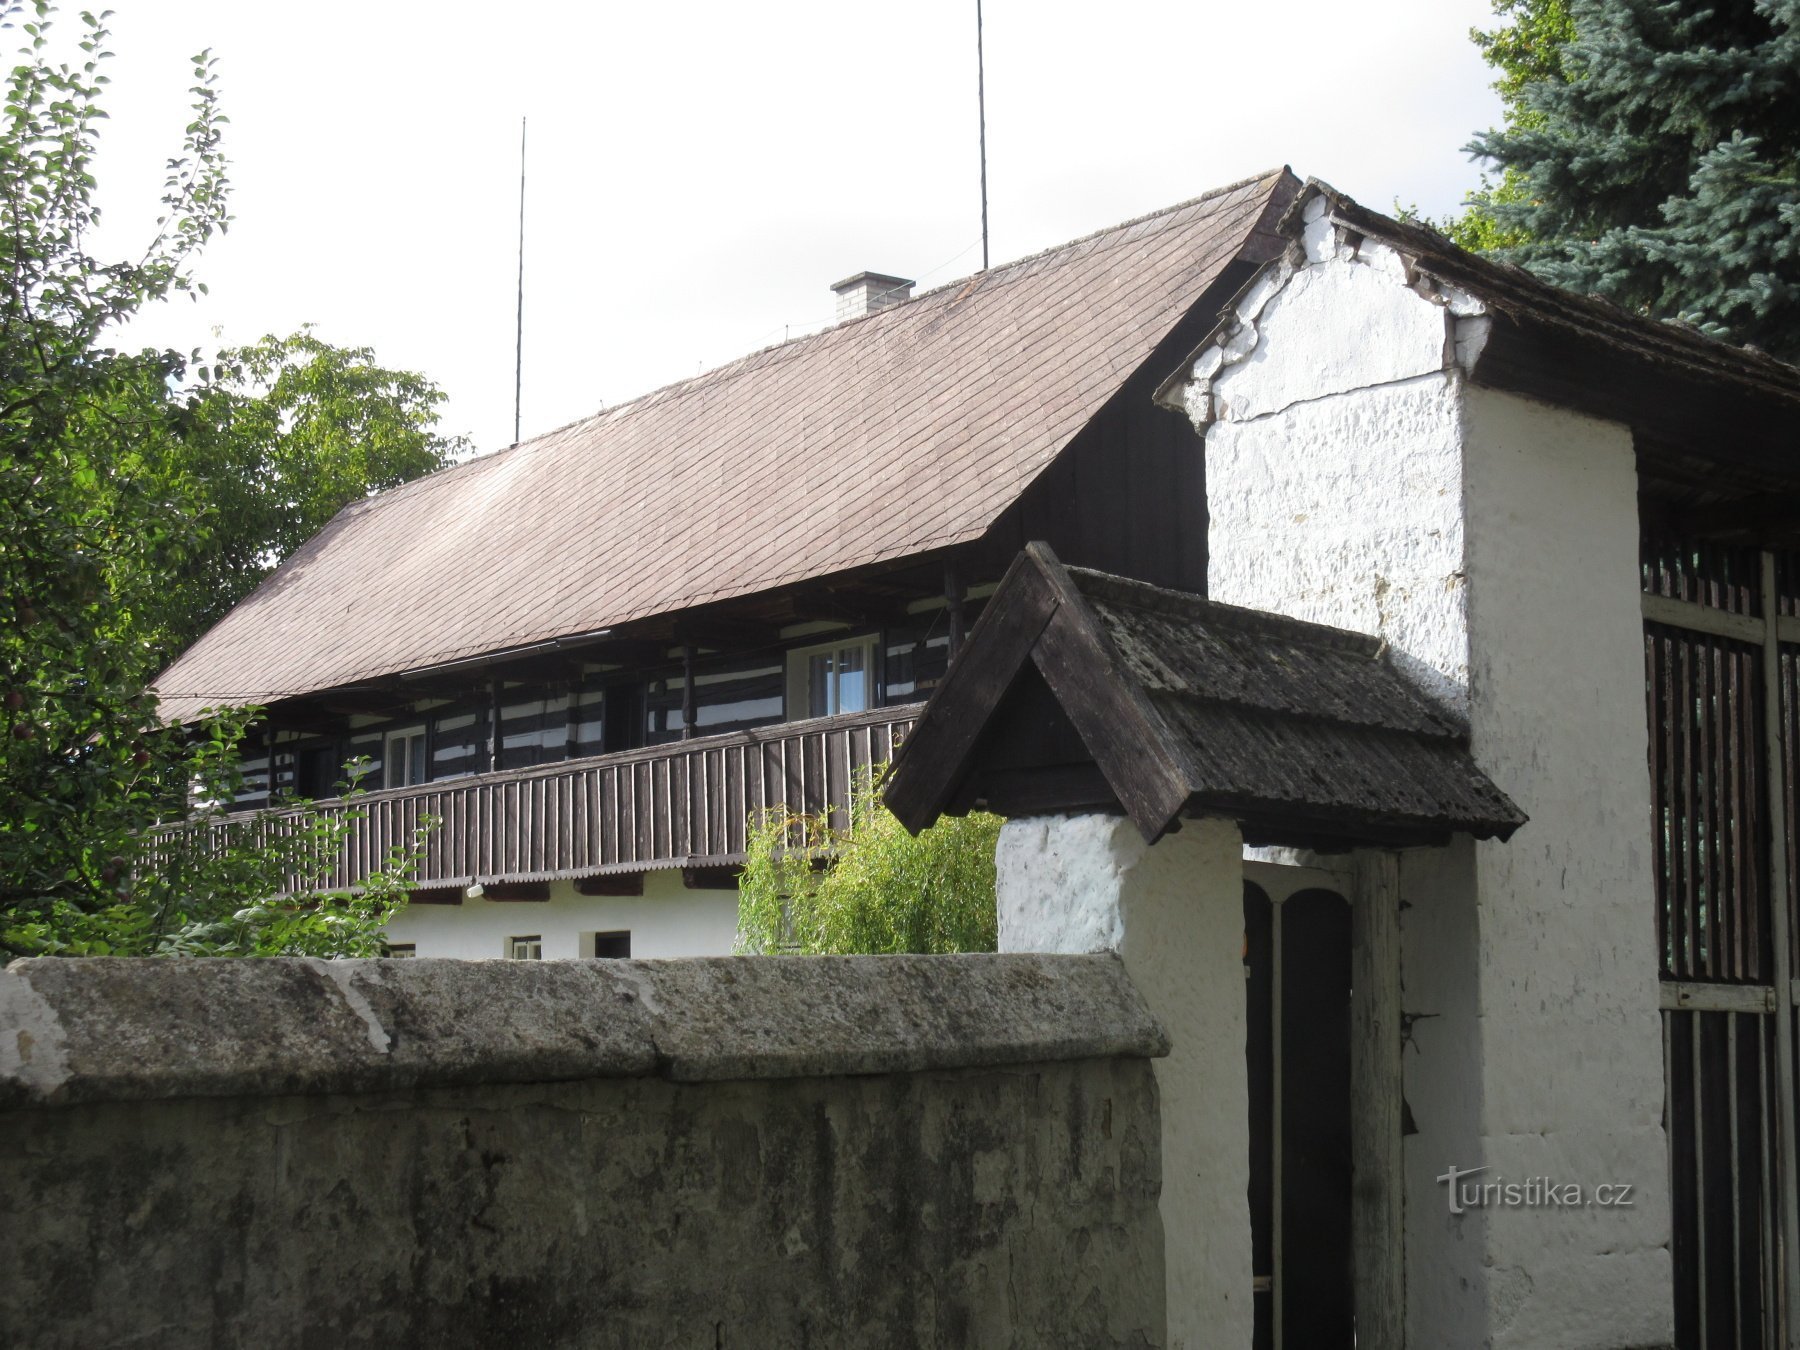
<point>956,283</point>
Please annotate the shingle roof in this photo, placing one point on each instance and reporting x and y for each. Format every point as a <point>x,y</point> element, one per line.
<point>1273,712</point>
<point>1303,733</point>
<point>907,430</point>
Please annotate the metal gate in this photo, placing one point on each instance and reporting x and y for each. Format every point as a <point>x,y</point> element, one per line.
<point>1722,652</point>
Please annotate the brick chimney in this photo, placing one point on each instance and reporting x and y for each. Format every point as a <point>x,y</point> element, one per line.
<point>867,292</point>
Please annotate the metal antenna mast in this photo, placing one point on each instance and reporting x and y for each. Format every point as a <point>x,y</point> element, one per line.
<point>519,326</point>
<point>981,106</point>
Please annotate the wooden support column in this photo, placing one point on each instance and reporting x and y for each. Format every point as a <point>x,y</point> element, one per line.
<point>687,692</point>
<point>1377,1210</point>
<point>953,598</point>
<point>495,694</point>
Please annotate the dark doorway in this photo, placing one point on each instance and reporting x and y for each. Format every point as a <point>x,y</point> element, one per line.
<point>1297,972</point>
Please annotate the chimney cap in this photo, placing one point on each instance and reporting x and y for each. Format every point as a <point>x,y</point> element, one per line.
<point>870,278</point>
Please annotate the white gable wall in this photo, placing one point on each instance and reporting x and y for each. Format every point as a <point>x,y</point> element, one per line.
<point>1354,477</point>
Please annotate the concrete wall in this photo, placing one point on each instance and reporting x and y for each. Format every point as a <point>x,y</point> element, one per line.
<point>1357,476</point>
<point>740,1152</point>
<point>667,920</point>
<point>1175,914</point>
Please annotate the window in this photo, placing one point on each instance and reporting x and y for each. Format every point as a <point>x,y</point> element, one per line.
<point>529,948</point>
<point>404,760</point>
<point>834,677</point>
<point>612,946</point>
<point>402,949</point>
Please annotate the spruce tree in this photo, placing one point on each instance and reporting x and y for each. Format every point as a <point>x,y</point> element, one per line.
<point>1659,166</point>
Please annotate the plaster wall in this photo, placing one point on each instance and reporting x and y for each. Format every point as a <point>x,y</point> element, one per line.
<point>1567,955</point>
<point>1174,913</point>
<point>1493,542</point>
<point>667,920</point>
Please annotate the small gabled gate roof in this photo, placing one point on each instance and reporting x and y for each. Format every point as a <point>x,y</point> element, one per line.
<point>1177,705</point>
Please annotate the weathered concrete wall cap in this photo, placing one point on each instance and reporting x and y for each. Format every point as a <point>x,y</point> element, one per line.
<point>113,1029</point>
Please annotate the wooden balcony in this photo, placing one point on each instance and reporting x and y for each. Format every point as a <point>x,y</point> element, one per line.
<point>685,804</point>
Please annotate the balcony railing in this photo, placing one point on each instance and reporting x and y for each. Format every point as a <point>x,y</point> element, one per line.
<point>686,804</point>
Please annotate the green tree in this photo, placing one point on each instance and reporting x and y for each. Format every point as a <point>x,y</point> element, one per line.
<point>1657,163</point>
<point>288,433</point>
<point>812,887</point>
<point>95,534</point>
<point>1527,49</point>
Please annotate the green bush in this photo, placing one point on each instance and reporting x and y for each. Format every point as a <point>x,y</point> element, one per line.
<point>814,887</point>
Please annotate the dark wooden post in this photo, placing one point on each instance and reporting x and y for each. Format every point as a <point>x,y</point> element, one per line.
<point>687,691</point>
<point>494,697</point>
<point>1376,1203</point>
<point>953,598</point>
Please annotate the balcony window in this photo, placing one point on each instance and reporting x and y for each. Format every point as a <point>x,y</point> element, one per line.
<point>831,678</point>
<point>403,758</point>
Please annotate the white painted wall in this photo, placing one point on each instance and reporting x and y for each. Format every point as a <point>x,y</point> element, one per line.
<point>1567,956</point>
<point>666,920</point>
<point>1356,477</point>
<point>1175,914</point>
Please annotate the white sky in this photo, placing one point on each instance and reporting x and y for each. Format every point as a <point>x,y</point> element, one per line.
<point>701,172</point>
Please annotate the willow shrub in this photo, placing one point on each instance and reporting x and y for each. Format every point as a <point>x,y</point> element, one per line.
<point>868,887</point>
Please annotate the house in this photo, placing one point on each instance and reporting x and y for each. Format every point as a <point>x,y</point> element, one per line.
<point>1492,1081</point>
<point>1397,640</point>
<point>592,656</point>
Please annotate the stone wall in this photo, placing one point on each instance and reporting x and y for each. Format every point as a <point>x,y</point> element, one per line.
<point>958,1151</point>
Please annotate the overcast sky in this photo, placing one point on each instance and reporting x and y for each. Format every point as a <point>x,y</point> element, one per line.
<point>699,173</point>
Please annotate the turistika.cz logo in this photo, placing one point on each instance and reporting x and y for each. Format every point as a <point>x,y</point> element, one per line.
<point>1496,1192</point>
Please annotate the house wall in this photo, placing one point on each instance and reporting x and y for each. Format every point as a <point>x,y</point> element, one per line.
<point>1174,913</point>
<point>1356,477</point>
<point>889,1151</point>
<point>667,920</point>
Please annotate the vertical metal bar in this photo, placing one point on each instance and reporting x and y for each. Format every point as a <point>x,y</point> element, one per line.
<point>1737,1199</point>
<point>1699,1173</point>
<point>1276,1288</point>
<point>1766,1210</point>
<point>1788,1234</point>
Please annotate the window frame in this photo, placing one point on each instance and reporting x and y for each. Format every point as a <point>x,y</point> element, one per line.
<point>405,735</point>
<point>799,691</point>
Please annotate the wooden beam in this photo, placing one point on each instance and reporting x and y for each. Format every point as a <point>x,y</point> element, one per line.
<point>1121,729</point>
<point>508,891</point>
<point>932,762</point>
<point>724,632</point>
<point>1377,1192</point>
<point>711,878</point>
<point>435,895</point>
<point>954,594</point>
<point>688,705</point>
<point>612,883</point>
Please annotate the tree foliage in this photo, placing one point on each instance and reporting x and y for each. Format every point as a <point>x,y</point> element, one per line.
<point>98,530</point>
<point>816,888</point>
<point>1656,162</point>
<point>1526,49</point>
<point>290,431</point>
